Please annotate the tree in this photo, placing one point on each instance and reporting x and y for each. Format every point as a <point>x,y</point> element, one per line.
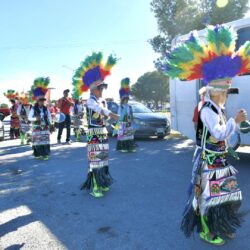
<point>152,86</point>
<point>178,17</point>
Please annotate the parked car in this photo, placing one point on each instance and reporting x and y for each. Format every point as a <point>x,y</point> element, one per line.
<point>146,123</point>
<point>4,109</point>
<point>1,127</point>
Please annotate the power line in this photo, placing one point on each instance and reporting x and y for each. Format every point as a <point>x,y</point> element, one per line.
<point>74,45</point>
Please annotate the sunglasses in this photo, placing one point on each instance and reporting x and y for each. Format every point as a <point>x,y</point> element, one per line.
<point>100,87</point>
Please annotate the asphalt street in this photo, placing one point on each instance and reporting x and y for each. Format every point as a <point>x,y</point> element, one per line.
<point>42,207</point>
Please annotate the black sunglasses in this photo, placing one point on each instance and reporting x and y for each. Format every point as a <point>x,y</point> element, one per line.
<point>100,87</point>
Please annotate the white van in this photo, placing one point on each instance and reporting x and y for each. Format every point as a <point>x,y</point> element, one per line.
<point>184,94</point>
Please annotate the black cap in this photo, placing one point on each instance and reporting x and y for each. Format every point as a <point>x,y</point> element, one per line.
<point>66,91</point>
<point>41,99</point>
<point>231,91</point>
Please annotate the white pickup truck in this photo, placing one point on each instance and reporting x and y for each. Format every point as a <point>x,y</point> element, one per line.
<point>184,94</point>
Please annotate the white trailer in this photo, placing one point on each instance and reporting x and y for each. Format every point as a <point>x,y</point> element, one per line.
<point>184,94</point>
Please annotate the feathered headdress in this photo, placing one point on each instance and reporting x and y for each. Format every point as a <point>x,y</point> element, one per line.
<point>214,60</point>
<point>11,94</point>
<point>31,98</point>
<point>92,72</point>
<point>125,88</point>
<point>77,89</point>
<point>24,98</point>
<point>40,87</point>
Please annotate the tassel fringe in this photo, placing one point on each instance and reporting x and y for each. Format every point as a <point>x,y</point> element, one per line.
<point>97,131</point>
<point>222,219</point>
<point>236,196</point>
<point>220,173</point>
<point>102,176</point>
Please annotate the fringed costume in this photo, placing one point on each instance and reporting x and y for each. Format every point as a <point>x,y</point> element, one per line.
<point>77,110</point>
<point>124,128</point>
<point>23,113</point>
<point>98,146</point>
<point>12,95</point>
<point>214,193</point>
<point>41,120</point>
<point>91,75</point>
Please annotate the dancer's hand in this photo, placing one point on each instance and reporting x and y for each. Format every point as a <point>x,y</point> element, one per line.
<point>241,116</point>
<point>114,116</point>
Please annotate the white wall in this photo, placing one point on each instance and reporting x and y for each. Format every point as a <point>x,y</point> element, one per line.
<point>183,99</point>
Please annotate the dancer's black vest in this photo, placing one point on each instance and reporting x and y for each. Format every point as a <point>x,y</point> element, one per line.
<point>37,113</point>
<point>95,120</point>
<point>215,146</point>
<point>23,111</point>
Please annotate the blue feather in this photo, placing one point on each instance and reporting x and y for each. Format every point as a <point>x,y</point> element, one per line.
<point>221,67</point>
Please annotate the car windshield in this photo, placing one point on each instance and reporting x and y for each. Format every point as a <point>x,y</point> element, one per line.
<point>140,108</point>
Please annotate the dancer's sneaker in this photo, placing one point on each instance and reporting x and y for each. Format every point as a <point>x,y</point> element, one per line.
<point>132,150</point>
<point>105,189</point>
<point>124,151</point>
<point>45,158</point>
<point>97,193</point>
<point>214,240</point>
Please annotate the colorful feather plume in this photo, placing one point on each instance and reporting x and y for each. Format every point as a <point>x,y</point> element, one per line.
<point>40,87</point>
<point>77,90</point>
<point>125,88</point>
<point>221,40</point>
<point>11,94</point>
<point>92,70</point>
<point>23,97</point>
<point>244,54</point>
<point>31,98</point>
<point>184,61</point>
<point>212,60</point>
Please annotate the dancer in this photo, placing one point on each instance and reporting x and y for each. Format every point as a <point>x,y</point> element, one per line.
<point>41,120</point>
<point>91,75</point>
<point>202,92</point>
<point>214,194</point>
<point>12,95</point>
<point>77,113</point>
<point>23,113</point>
<point>124,129</point>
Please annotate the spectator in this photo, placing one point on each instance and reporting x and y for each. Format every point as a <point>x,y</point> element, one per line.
<point>202,93</point>
<point>64,105</point>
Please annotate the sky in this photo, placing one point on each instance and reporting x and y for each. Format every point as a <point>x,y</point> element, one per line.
<point>51,38</point>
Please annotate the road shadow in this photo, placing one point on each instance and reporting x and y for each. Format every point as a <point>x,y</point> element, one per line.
<point>142,210</point>
<point>14,224</point>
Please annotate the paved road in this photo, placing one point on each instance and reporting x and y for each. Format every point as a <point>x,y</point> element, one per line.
<point>41,206</point>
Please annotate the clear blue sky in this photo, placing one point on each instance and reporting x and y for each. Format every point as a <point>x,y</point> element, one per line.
<point>39,37</point>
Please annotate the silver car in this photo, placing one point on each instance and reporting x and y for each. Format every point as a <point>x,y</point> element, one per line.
<point>146,122</point>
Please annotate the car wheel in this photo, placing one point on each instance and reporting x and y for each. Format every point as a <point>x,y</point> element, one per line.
<point>161,136</point>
